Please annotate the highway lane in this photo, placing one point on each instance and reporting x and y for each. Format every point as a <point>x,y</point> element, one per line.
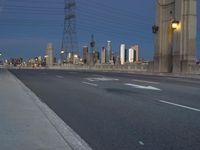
<point>114,111</point>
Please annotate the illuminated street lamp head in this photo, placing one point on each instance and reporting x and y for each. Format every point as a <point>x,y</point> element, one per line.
<point>46,56</point>
<point>175,24</point>
<point>0,54</point>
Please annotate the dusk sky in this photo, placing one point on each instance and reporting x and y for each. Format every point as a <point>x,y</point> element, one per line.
<point>26,26</point>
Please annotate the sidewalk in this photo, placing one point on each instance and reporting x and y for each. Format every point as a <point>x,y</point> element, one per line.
<point>27,124</point>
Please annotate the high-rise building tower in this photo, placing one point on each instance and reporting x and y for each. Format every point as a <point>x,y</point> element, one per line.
<point>134,54</point>
<point>92,43</point>
<point>85,54</point>
<point>69,40</point>
<point>103,55</point>
<point>49,55</point>
<point>122,54</point>
<point>108,52</point>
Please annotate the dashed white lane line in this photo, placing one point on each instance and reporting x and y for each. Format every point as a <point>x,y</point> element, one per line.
<point>178,105</point>
<point>144,81</point>
<point>142,87</point>
<point>60,77</point>
<point>92,84</point>
<point>141,143</point>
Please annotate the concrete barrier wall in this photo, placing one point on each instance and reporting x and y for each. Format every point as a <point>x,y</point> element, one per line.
<point>115,68</point>
<point>194,69</point>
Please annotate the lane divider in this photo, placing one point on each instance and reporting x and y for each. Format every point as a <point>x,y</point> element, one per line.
<point>178,105</point>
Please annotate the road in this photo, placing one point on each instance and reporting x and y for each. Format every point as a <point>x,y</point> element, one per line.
<point>115,111</point>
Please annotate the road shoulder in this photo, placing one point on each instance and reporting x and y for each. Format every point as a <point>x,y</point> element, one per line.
<point>28,123</point>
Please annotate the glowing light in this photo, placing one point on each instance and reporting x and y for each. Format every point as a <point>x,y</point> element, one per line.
<point>175,25</point>
<point>75,56</point>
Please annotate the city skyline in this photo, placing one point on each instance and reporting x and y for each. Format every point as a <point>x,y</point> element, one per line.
<point>29,37</point>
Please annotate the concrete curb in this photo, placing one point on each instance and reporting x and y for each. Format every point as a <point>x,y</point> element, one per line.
<point>69,136</point>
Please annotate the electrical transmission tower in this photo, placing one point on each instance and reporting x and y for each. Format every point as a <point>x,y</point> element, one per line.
<point>69,40</point>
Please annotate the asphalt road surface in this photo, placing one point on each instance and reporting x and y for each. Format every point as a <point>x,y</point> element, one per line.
<point>113,111</point>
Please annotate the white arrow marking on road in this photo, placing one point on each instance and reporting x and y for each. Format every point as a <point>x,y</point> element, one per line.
<point>143,87</point>
<point>178,105</point>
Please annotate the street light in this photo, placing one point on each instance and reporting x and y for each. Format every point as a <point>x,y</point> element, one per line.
<point>175,24</point>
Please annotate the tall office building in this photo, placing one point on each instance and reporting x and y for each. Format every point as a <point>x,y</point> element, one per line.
<point>108,52</point>
<point>49,55</point>
<point>103,55</point>
<point>95,57</point>
<point>134,54</point>
<point>126,55</point>
<point>85,54</point>
<point>122,54</point>
<point>70,57</point>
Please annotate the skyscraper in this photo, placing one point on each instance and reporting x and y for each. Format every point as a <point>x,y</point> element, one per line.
<point>103,55</point>
<point>122,54</point>
<point>49,55</point>
<point>108,52</point>
<point>95,57</point>
<point>134,54</point>
<point>85,54</point>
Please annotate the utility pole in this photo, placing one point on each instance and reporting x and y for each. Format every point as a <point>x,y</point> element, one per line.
<point>69,40</point>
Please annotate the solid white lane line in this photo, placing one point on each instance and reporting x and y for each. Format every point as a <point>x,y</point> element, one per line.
<point>143,87</point>
<point>60,77</point>
<point>178,105</point>
<point>92,84</point>
<point>151,82</point>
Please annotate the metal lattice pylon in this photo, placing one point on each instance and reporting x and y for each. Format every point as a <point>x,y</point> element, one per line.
<point>69,40</point>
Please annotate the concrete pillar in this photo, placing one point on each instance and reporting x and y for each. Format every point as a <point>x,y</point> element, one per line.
<point>175,48</point>
<point>184,47</point>
<point>163,45</point>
